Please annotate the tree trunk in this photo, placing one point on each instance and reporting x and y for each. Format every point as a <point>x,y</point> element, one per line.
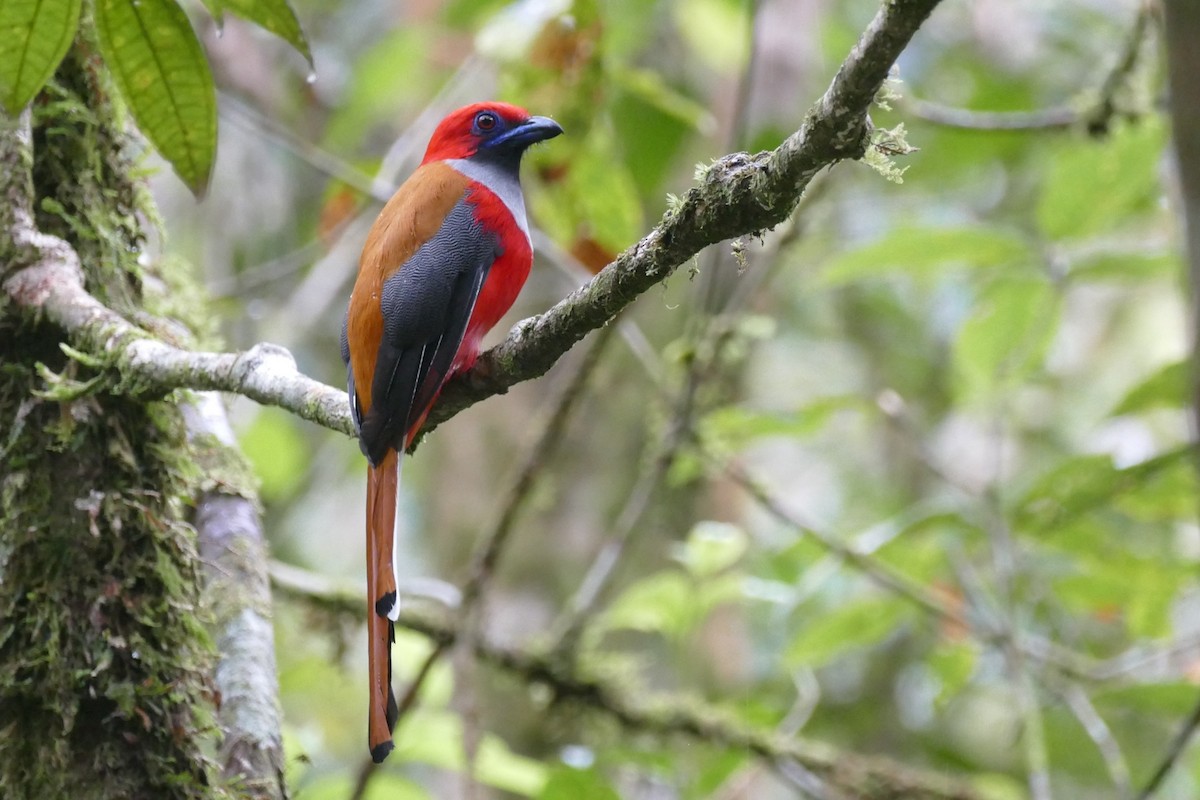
<point>102,652</point>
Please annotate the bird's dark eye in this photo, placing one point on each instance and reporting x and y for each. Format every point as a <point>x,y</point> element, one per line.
<point>485,121</point>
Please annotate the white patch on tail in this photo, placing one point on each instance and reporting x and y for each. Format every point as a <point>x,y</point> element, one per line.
<point>394,612</point>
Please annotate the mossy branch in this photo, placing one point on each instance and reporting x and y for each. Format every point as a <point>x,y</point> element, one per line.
<point>848,774</point>
<point>738,195</point>
<point>52,287</point>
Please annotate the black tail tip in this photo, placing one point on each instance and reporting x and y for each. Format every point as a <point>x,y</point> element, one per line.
<point>380,751</point>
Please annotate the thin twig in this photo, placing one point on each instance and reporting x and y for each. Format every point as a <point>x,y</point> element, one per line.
<point>1005,556</point>
<point>1178,745</point>
<point>1096,118</point>
<point>1098,731</point>
<point>1100,118</point>
<point>991,621</point>
<point>367,769</point>
<point>807,696</point>
<point>550,437</point>
<point>711,289</point>
<point>877,571</point>
<point>969,120</point>
<point>1033,732</point>
<point>488,553</point>
<point>566,629</point>
<point>242,115</point>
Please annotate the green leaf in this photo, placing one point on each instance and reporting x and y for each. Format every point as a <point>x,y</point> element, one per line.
<point>431,737</point>
<point>500,767</point>
<point>920,557</point>
<point>837,631</point>
<point>669,603</point>
<point>1166,388</point>
<point>276,16</point>
<point>712,547</point>
<point>1082,484</point>
<point>277,451</point>
<point>1125,266</point>
<point>954,663</point>
<point>659,603</point>
<point>735,427</point>
<point>1093,185</point>
<point>435,737</point>
<point>919,547</point>
<point>568,783</point>
<point>648,137</point>
<point>1006,335</point>
<point>1162,489</point>
<point>715,30</point>
<point>922,252</point>
<point>470,14</point>
<point>36,35</point>
<point>384,785</point>
<point>650,87</point>
<point>1138,590</point>
<point>163,76</point>
<point>389,786</point>
<point>1075,486</point>
<point>998,786</point>
<point>1165,698</point>
<point>605,194</point>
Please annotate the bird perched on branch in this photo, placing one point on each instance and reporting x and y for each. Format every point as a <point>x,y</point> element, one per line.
<point>442,264</point>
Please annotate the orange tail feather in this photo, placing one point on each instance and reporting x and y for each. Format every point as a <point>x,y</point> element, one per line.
<point>382,485</point>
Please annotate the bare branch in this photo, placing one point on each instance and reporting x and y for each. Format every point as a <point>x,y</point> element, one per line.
<point>1098,731</point>
<point>1178,745</point>
<point>1097,116</point>
<point>238,596</point>
<point>53,287</point>
<point>1057,118</point>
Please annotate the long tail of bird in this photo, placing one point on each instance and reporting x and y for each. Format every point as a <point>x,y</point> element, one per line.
<point>383,484</point>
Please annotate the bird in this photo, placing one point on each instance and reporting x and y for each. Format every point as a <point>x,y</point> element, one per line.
<point>442,263</point>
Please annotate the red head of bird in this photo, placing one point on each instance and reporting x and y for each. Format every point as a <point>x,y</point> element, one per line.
<point>496,132</point>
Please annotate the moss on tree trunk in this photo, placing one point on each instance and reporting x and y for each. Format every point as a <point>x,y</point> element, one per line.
<point>102,655</point>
